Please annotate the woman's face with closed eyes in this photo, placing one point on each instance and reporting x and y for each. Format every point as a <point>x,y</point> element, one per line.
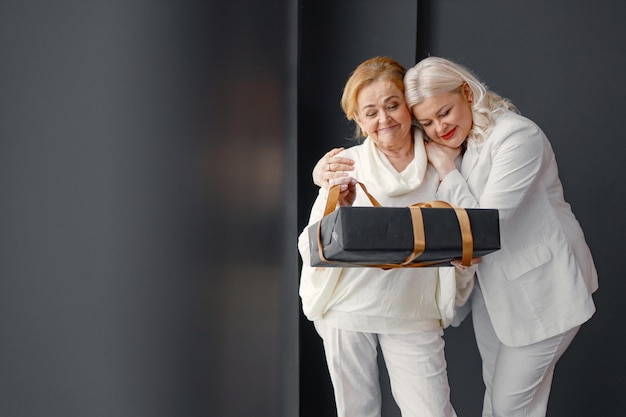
<point>383,115</point>
<point>446,118</point>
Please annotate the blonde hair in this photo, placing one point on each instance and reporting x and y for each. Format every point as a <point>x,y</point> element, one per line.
<point>373,69</point>
<point>434,76</point>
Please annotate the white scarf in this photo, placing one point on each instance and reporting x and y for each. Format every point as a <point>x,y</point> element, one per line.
<point>387,184</point>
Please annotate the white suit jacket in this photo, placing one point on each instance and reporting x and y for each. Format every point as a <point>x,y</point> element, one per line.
<point>539,284</point>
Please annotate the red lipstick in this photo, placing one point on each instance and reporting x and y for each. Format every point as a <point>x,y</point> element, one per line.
<point>449,134</point>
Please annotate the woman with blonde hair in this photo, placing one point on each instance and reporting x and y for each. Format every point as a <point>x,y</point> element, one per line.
<point>402,310</point>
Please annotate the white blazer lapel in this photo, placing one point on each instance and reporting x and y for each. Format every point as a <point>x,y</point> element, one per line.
<point>470,158</point>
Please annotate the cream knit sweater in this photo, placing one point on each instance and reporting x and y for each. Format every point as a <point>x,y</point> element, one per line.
<point>373,300</point>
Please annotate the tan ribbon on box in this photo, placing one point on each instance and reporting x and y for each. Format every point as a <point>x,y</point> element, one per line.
<point>333,198</point>
<point>464,223</point>
<point>419,238</point>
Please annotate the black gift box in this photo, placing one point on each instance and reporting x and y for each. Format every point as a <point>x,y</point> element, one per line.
<point>384,236</point>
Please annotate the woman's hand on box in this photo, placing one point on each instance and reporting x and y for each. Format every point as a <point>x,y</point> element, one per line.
<point>461,267</point>
<point>347,190</point>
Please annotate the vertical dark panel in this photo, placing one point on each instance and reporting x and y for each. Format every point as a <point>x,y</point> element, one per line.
<point>289,342</point>
<point>147,219</point>
<point>562,63</point>
<point>249,180</point>
<point>335,36</point>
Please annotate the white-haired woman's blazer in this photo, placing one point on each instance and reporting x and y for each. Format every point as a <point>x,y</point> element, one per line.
<point>540,283</point>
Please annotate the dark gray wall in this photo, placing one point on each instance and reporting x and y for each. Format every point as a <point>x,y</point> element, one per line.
<point>147,251</point>
<point>562,62</point>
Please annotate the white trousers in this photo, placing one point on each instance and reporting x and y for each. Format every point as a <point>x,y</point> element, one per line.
<point>517,379</point>
<point>416,366</point>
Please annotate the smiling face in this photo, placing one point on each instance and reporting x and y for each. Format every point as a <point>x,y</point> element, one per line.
<point>446,118</point>
<point>383,114</point>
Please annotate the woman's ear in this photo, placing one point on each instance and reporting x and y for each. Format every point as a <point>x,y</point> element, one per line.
<point>468,93</point>
<point>358,122</point>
